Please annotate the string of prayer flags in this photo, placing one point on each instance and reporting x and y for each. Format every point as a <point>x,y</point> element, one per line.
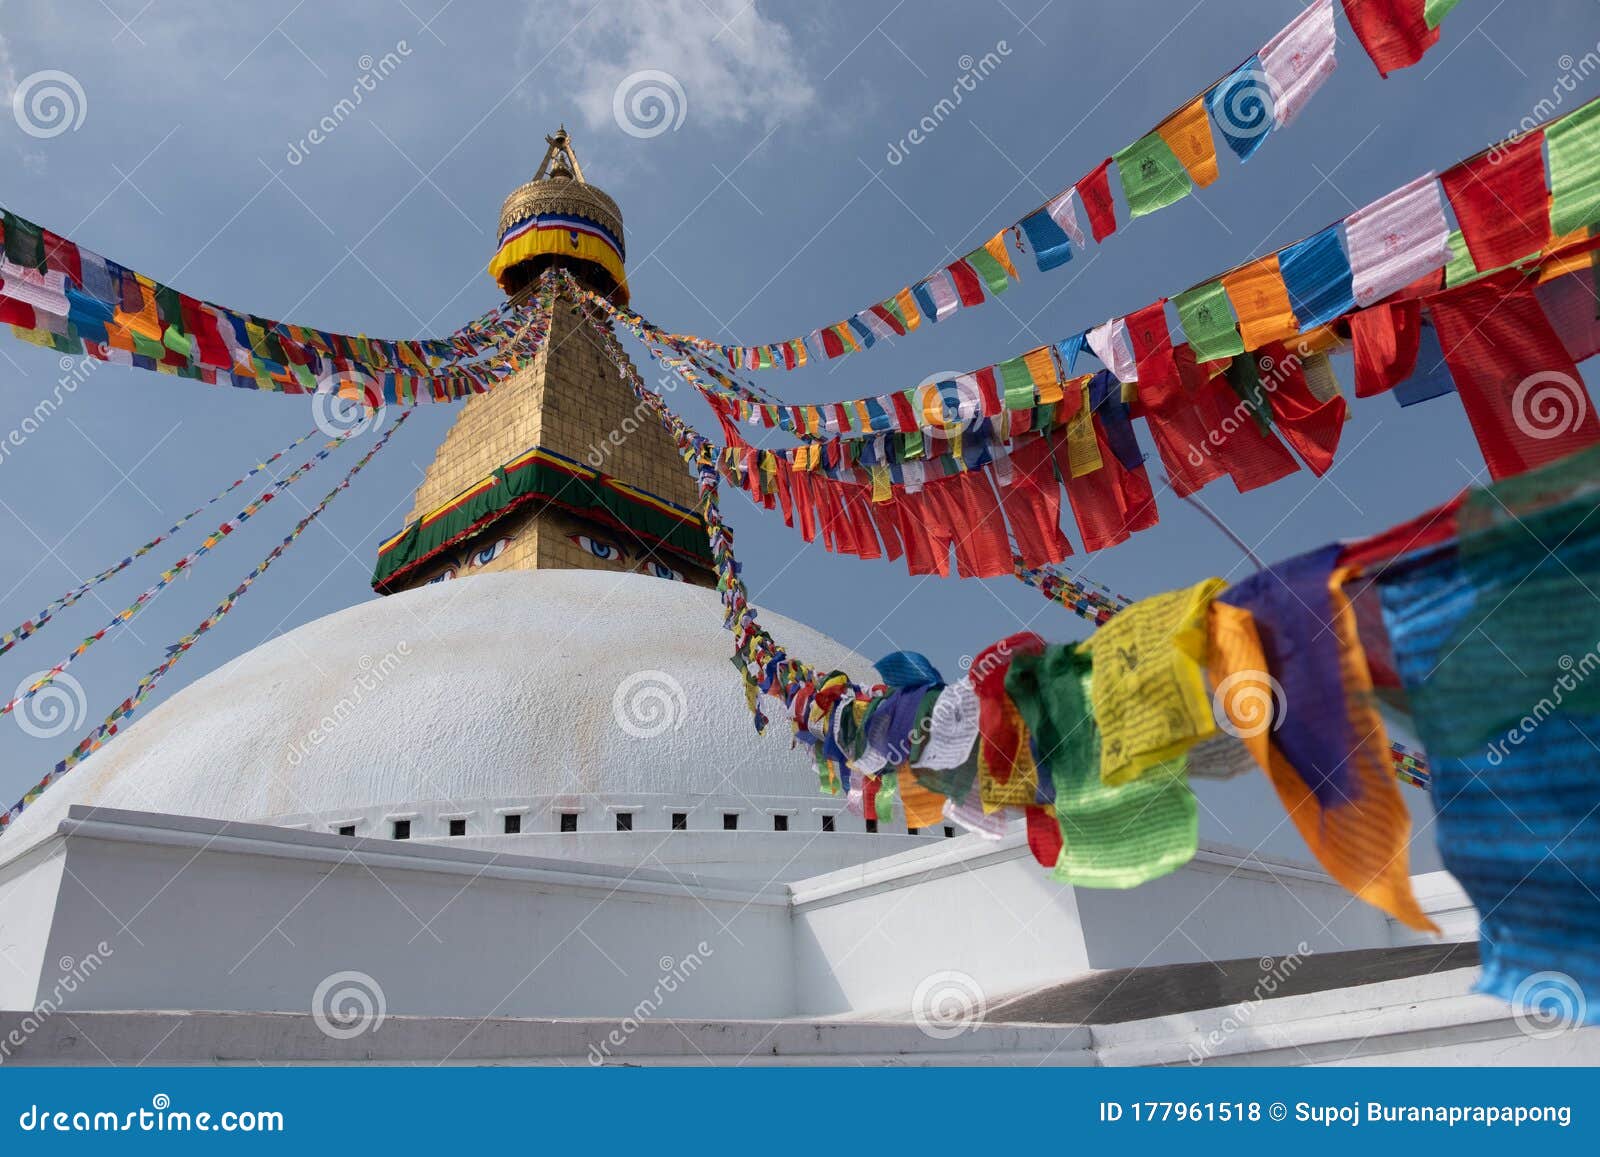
<point>181,567</point>
<point>1161,167</point>
<point>109,727</point>
<point>24,630</point>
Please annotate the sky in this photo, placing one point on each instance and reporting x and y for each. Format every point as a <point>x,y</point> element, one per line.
<point>778,191</point>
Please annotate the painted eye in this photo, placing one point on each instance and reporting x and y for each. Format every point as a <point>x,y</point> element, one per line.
<point>487,554</point>
<point>597,547</point>
<point>443,576</point>
<point>663,571</point>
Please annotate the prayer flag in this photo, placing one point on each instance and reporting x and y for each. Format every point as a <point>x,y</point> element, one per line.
<point>1502,203</point>
<point>1064,213</point>
<point>1299,59</point>
<point>1051,246</point>
<point>1151,174</point>
<point>1188,134</point>
<point>1397,239</point>
<point>1242,106</point>
<point>1095,192</point>
<point>1318,277</point>
<point>1208,322</point>
<point>965,279</point>
<point>992,272</point>
<point>1261,302</point>
<point>1395,33</point>
<point>1574,170</point>
<point>1111,345</point>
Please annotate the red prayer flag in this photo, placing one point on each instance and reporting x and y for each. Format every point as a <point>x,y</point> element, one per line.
<point>927,542</point>
<point>882,514</point>
<point>1312,427</point>
<point>1522,393</point>
<point>831,345</point>
<point>889,320</point>
<point>989,389</point>
<point>1252,457</point>
<point>968,287</point>
<point>978,529</point>
<point>1044,835</point>
<point>1502,202</point>
<point>1386,338</point>
<point>1032,504</point>
<point>905,415</point>
<point>1095,193</point>
<point>1395,33</point>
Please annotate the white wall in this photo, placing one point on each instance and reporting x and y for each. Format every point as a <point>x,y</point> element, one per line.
<point>27,902</point>
<point>207,915</point>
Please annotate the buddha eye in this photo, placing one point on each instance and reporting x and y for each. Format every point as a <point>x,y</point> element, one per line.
<point>662,570</point>
<point>487,554</point>
<point>443,576</point>
<point>597,547</point>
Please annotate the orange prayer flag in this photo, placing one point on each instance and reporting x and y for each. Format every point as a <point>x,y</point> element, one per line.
<point>996,247</point>
<point>1261,300</point>
<point>1042,369</point>
<point>1188,134</point>
<point>1362,843</point>
<point>924,806</point>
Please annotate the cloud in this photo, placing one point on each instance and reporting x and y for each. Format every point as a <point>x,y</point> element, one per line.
<point>731,63</point>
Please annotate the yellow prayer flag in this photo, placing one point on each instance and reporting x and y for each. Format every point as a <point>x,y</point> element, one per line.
<point>1041,365</point>
<point>1150,697</point>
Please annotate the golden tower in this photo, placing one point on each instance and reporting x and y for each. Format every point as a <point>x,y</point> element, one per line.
<point>559,465</point>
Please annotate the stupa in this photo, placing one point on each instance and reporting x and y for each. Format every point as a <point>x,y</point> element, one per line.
<point>515,811</point>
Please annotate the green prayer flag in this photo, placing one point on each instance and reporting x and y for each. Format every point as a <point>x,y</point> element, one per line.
<point>1208,322</point>
<point>1152,176</point>
<point>1434,11</point>
<point>992,272</point>
<point>1244,378</point>
<point>1112,837</point>
<point>1461,267</point>
<point>177,341</point>
<point>912,443</point>
<point>1016,383</point>
<point>24,242</point>
<point>1574,143</point>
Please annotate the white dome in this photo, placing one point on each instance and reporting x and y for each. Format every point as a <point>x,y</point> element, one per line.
<point>466,697</point>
